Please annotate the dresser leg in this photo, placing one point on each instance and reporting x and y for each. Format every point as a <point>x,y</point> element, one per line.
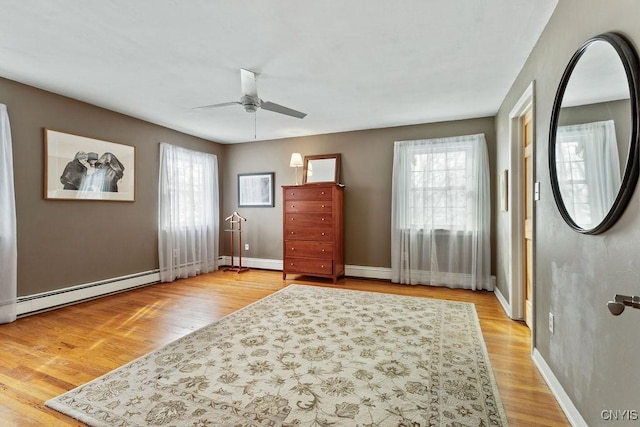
<point>284,276</point>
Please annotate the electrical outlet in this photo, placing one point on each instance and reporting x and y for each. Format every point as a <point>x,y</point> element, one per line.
<point>551,322</point>
<point>246,246</point>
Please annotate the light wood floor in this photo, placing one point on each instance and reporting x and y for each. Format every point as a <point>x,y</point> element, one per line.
<point>47,354</point>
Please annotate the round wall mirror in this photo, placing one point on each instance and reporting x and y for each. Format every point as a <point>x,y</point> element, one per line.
<point>593,141</point>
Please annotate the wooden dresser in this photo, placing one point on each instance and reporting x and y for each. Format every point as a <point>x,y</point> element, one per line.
<point>313,230</point>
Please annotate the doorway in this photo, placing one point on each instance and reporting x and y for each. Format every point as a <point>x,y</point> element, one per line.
<point>522,165</point>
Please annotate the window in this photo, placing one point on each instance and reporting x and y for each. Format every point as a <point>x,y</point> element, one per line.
<point>186,181</point>
<point>8,235</point>
<point>440,213</point>
<point>188,212</point>
<point>572,180</point>
<point>439,181</point>
<point>588,170</point>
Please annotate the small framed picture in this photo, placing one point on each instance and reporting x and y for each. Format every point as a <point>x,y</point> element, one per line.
<point>504,191</point>
<point>256,190</point>
<point>81,168</point>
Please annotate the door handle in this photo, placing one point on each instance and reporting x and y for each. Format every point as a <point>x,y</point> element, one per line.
<point>616,307</point>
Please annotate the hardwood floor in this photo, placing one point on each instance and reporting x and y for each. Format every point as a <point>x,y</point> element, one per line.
<point>47,354</point>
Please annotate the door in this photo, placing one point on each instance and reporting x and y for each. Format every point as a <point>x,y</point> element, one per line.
<point>527,215</point>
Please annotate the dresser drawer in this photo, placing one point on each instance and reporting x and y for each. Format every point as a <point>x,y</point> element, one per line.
<point>321,234</point>
<point>307,193</point>
<point>308,220</point>
<point>307,206</point>
<point>308,266</point>
<point>300,248</point>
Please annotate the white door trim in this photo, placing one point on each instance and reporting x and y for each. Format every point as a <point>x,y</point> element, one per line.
<point>516,294</point>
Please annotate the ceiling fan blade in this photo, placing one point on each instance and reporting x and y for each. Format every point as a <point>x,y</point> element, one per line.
<point>277,108</point>
<point>224,104</point>
<point>248,83</point>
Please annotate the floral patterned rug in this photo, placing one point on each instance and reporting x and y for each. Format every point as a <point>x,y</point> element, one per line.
<point>308,356</point>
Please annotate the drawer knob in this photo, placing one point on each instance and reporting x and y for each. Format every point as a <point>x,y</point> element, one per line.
<point>323,234</point>
<point>293,194</point>
<point>322,266</point>
<point>322,193</point>
<point>293,249</point>
<point>291,263</point>
<point>323,250</point>
<point>323,206</point>
<point>293,232</point>
<point>293,219</point>
<point>293,206</point>
<point>323,219</point>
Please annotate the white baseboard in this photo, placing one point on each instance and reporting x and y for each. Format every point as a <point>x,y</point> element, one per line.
<point>60,297</point>
<point>261,263</point>
<point>503,302</point>
<point>363,271</point>
<point>381,273</point>
<point>562,397</point>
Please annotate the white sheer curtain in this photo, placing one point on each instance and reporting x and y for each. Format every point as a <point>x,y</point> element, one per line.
<point>8,243</point>
<point>588,167</point>
<point>440,214</point>
<point>188,213</point>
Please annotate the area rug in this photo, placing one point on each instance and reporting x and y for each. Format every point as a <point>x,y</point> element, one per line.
<point>308,356</point>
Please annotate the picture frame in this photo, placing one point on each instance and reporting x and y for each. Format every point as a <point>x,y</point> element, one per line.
<point>320,169</point>
<point>256,190</point>
<point>504,191</point>
<point>82,168</point>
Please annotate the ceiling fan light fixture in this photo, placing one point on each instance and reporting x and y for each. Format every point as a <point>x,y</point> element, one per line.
<point>250,103</point>
<point>250,108</point>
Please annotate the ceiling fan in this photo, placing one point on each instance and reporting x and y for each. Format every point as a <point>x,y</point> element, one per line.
<point>250,100</point>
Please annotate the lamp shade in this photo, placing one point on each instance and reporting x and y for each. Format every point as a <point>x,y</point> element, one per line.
<point>296,160</point>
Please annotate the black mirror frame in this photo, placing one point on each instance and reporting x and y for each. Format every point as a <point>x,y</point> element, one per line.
<point>629,59</point>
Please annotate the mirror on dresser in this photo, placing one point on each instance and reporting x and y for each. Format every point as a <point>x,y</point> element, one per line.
<point>322,168</point>
<point>593,141</point>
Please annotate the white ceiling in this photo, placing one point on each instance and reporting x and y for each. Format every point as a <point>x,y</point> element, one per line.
<point>348,64</point>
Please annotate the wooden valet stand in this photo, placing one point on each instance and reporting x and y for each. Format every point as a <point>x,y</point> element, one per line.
<point>235,229</point>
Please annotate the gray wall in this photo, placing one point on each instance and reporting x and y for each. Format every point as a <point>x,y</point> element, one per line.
<point>66,243</point>
<point>367,160</point>
<point>593,354</point>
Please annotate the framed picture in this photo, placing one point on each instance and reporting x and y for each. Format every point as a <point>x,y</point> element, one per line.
<point>81,168</point>
<point>256,190</point>
<point>504,190</point>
